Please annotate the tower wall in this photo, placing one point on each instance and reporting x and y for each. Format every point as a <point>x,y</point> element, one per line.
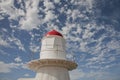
<point>53,47</point>
<point>52,73</point>
<point>52,64</point>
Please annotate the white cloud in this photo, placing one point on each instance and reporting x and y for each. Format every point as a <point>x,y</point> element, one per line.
<point>3,52</point>
<point>65,30</point>
<point>88,3</point>
<point>52,26</point>
<point>28,19</point>
<point>6,67</point>
<point>70,57</point>
<point>49,16</point>
<point>57,1</point>
<point>1,17</point>
<point>3,42</point>
<point>34,48</point>
<point>87,34</point>
<point>26,75</point>
<point>48,5</point>
<point>31,18</point>
<point>83,46</point>
<point>10,41</point>
<point>79,74</point>
<point>97,75</point>
<point>76,74</point>
<point>75,14</point>
<point>17,42</point>
<point>18,59</point>
<point>78,38</point>
<point>6,7</point>
<point>114,44</point>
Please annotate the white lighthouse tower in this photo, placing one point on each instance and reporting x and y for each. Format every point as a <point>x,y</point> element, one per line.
<point>52,64</point>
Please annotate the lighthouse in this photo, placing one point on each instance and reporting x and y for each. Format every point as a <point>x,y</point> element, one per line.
<point>52,64</point>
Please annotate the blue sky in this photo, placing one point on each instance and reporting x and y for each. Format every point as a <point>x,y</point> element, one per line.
<point>90,27</point>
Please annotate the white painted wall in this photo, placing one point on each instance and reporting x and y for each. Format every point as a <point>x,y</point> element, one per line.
<point>53,47</point>
<point>52,73</point>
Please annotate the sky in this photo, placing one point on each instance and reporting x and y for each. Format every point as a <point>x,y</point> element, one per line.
<point>91,29</point>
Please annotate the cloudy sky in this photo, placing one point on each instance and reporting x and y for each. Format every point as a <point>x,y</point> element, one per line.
<point>90,27</point>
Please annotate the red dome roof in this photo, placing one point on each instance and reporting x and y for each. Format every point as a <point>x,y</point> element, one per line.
<point>53,32</point>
